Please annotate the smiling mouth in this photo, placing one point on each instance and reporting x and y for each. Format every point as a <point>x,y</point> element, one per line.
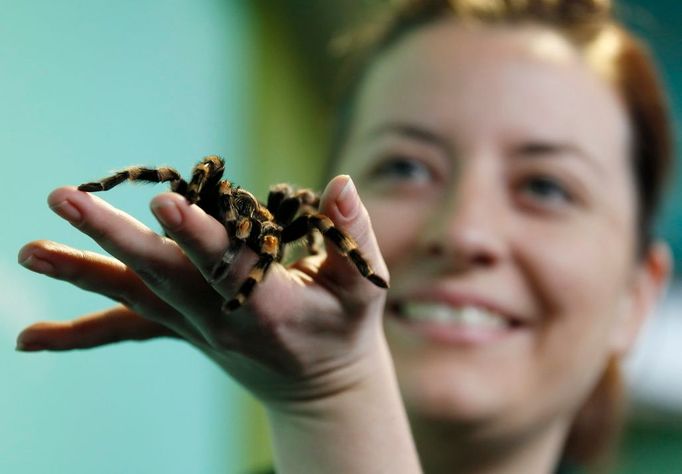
<point>454,324</point>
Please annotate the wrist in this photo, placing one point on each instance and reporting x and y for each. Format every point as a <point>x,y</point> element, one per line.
<point>332,388</point>
<point>357,427</point>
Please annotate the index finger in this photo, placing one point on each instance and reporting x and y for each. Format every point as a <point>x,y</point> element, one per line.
<point>159,262</point>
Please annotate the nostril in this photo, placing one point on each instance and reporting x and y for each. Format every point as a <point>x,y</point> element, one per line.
<point>460,256</point>
<point>435,250</point>
<point>484,259</point>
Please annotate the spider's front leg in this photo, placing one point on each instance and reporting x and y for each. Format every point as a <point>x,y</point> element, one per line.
<point>134,173</point>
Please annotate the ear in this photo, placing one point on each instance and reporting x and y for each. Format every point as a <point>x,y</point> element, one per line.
<point>649,283</point>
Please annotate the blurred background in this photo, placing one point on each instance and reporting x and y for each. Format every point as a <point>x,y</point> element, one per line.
<point>88,86</point>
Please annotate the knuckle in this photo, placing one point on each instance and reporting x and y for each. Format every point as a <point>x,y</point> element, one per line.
<point>188,239</point>
<point>153,274</point>
<point>126,300</point>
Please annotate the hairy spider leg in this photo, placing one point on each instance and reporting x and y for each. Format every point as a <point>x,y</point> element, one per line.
<point>276,195</point>
<point>203,186</point>
<point>269,250</point>
<point>255,276</point>
<point>133,173</point>
<point>344,243</point>
<point>310,204</point>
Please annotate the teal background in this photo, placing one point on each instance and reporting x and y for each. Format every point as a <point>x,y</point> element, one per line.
<point>653,444</point>
<point>86,87</point>
<point>659,22</point>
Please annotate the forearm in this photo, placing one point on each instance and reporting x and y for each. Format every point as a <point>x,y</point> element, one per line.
<point>360,430</point>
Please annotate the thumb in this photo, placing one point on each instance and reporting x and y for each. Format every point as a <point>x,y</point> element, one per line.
<point>353,255</point>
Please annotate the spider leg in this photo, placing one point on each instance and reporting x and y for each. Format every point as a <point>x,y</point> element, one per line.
<point>268,251</point>
<point>287,210</point>
<point>179,186</point>
<point>310,202</point>
<point>243,230</point>
<point>285,201</point>
<point>241,215</point>
<point>240,231</point>
<point>222,268</point>
<point>312,245</point>
<point>255,276</point>
<point>345,244</point>
<point>205,177</point>
<point>276,195</point>
<point>309,198</point>
<point>299,229</point>
<point>133,173</point>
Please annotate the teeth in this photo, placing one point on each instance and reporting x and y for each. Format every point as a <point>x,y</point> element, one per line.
<point>469,316</point>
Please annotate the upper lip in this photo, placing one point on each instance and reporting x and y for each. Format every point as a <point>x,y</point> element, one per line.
<point>460,298</point>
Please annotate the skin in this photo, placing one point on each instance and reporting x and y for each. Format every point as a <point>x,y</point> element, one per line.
<point>509,200</point>
<point>502,173</point>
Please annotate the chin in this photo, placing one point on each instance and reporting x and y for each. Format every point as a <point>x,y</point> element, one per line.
<point>452,392</point>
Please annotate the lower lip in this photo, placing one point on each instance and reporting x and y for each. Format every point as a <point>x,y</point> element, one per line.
<point>452,334</point>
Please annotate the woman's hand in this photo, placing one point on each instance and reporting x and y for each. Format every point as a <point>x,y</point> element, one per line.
<point>308,342</point>
<point>306,331</point>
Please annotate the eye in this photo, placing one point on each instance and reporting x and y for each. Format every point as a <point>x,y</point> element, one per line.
<point>546,190</point>
<point>400,168</point>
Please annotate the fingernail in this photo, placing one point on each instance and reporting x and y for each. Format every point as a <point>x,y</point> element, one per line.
<point>167,212</point>
<point>348,201</point>
<point>68,211</point>
<point>37,265</point>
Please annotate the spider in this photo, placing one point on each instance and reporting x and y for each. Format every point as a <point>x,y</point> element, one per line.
<point>290,215</point>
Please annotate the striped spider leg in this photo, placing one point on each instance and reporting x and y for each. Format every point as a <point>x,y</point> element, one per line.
<point>200,190</point>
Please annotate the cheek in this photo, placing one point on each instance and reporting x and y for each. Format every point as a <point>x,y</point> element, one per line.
<point>579,284</point>
<point>576,271</point>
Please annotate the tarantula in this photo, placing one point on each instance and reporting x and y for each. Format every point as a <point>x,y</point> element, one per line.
<point>290,215</point>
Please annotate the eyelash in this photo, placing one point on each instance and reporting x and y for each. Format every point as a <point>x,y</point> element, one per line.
<point>558,190</point>
<point>401,168</point>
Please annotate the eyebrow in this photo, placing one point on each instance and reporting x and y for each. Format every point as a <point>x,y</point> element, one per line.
<point>531,149</point>
<point>412,131</point>
<point>540,148</point>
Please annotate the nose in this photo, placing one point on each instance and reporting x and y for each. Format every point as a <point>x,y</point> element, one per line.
<point>468,228</point>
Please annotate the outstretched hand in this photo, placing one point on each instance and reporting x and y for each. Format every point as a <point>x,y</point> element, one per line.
<point>306,330</point>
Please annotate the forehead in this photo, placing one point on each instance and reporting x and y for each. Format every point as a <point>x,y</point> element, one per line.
<point>477,80</point>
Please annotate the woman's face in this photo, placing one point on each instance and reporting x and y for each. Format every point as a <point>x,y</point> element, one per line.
<point>494,165</point>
